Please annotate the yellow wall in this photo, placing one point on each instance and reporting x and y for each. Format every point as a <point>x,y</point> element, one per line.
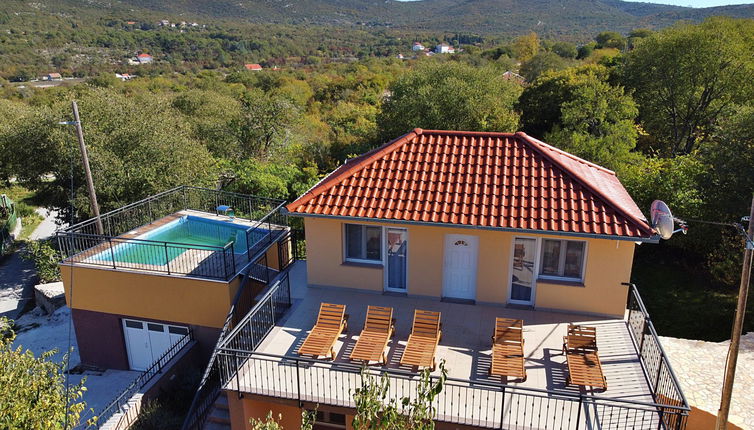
<point>167,298</point>
<point>608,264</point>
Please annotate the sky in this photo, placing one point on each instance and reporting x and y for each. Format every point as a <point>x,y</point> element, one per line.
<point>697,3</point>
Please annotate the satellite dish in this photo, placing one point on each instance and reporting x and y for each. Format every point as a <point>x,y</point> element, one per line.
<point>662,220</point>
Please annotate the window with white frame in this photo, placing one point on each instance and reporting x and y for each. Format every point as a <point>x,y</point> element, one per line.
<point>363,243</point>
<point>563,259</point>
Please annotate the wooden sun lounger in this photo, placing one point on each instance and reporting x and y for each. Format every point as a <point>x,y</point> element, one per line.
<point>422,342</point>
<point>331,322</point>
<point>580,349</point>
<point>508,349</point>
<point>378,329</point>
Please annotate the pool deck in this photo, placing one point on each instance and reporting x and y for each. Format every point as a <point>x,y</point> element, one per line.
<point>192,263</point>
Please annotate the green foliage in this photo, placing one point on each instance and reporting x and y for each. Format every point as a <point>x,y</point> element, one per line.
<point>450,96</point>
<point>264,123</point>
<point>268,179</point>
<point>34,393</point>
<point>687,77</point>
<point>525,47</point>
<point>45,259</point>
<point>611,39</point>
<point>565,49</point>
<point>270,423</point>
<point>541,63</point>
<point>376,410</point>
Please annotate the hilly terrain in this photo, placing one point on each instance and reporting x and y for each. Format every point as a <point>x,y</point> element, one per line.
<point>572,19</point>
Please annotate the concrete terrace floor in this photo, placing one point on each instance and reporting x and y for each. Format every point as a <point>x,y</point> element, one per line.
<point>465,348</point>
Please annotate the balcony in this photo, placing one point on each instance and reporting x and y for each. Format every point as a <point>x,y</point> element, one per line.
<point>179,232</point>
<point>258,358</point>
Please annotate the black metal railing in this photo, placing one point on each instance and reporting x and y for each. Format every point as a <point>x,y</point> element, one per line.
<point>662,381</point>
<point>463,402</point>
<point>118,404</point>
<point>81,243</point>
<point>278,296</point>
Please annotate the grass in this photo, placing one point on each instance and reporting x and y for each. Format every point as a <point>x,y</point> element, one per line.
<point>681,298</point>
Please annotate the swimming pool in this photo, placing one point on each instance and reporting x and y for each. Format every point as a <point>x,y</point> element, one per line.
<point>167,242</point>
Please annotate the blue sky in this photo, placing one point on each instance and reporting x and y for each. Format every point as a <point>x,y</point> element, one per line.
<point>697,3</point>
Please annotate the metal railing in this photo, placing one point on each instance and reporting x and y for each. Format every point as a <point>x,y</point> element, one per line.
<point>278,296</point>
<point>118,404</point>
<point>660,376</point>
<point>81,243</point>
<point>464,402</point>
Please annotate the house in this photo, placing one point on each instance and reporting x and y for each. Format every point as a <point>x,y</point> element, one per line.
<point>53,77</point>
<point>144,58</point>
<point>400,57</point>
<point>169,266</point>
<point>130,22</point>
<point>444,48</point>
<point>253,67</point>
<point>124,76</point>
<point>164,23</point>
<point>417,47</point>
<point>475,226</point>
<point>515,77</point>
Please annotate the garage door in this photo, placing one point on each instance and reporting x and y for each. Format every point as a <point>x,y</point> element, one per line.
<point>147,341</point>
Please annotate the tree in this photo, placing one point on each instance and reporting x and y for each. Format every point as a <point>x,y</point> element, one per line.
<point>45,259</point>
<point>525,47</point>
<point>565,49</point>
<point>687,77</point>
<point>451,96</point>
<point>610,39</point>
<point>34,394</point>
<point>265,122</point>
<point>540,63</point>
<point>375,410</point>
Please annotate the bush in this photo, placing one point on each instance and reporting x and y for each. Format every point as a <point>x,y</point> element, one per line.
<point>23,210</point>
<point>45,259</point>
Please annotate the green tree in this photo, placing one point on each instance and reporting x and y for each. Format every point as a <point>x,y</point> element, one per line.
<point>526,46</point>
<point>540,63</point>
<point>565,49</point>
<point>265,122</point>
<point>687,77</point>
<point>34,395</point>
<point>451,96</point>
<point>611,39</point>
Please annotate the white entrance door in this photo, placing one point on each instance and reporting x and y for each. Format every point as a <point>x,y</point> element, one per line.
<point>137,344</point>
<point>146,342</point>
<point>523,273</point>
<point>460,266</point>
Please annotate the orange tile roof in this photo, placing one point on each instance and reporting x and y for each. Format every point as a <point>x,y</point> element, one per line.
<point>487,180</point>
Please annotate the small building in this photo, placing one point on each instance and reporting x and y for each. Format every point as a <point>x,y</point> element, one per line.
<point>131,22</point>
<point>417,47</point>
<point>164,23</point>
<point>53,77</point>
<point>144,58</point>
<point>400,57</point>
<point>124,76</point>
<point>513,76</point>
<point>253,67</point>
<point>444,48</point>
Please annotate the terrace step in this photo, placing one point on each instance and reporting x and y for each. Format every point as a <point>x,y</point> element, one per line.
<point>219,415</point>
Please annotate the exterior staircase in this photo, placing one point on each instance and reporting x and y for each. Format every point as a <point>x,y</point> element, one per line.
<point>219,417</point>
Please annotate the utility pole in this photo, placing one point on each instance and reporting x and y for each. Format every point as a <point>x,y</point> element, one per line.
<point>735,339</point>
<point>87,170</point>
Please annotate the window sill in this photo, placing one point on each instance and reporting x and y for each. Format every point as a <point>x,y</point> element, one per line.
<point>375,265</point>
<point>563,282</point>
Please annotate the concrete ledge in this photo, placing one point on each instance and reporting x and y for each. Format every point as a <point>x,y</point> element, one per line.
<point>49,296</point>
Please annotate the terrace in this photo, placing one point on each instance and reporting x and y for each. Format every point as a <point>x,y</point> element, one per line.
<point>180,232</point>
<point>259,358</point>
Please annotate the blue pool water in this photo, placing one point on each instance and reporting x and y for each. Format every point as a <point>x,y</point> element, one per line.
<point>183,234</point>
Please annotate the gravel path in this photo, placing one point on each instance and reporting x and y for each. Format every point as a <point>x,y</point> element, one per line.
<point>700,367</point>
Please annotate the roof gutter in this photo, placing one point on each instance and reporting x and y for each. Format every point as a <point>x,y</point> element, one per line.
<point>652,239</point>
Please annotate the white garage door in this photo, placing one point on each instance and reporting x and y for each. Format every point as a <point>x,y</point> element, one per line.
<point>148,341</point>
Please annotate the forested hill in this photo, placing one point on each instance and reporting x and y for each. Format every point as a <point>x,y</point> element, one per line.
<point>572,19</point>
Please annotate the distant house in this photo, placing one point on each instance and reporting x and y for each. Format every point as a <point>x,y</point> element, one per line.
<point>253,67</point>
<point>165,23</point>
<point>515,77</point>
<point>53,77</point>
<point>131,22</point>
<point>144,58</point>
<point>417,47</point>
<point>400,57</point>
<point>444,48</point>
<point>124,76</point>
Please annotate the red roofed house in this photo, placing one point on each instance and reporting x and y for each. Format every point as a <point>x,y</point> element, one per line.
<point>483,217</point>
<point>253,67</point>
<point>144,58</point>
<point>469,228</point>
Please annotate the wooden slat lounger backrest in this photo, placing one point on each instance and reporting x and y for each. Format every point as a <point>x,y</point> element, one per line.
<point>581,337</point>
<point>379,319</point>
<point>330,315</point>
<point>426,324</point>
<point>508,330</point>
